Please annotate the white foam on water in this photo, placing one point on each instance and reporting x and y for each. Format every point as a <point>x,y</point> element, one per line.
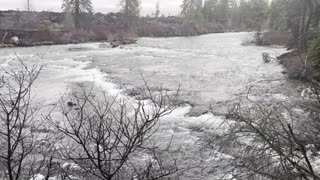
<point>179,112</point>
<point>96,76</point>
<point>228,65</point>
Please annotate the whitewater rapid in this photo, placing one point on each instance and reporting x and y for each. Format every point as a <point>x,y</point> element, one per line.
<point>211,70</point>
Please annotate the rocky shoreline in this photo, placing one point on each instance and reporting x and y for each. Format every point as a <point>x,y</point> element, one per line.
<point>294,65</point>
<point>27,38</point>
<point>52,28</point>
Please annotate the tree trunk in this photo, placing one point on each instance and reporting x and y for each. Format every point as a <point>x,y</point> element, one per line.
<point>77,14</point>
<point>305,21</point>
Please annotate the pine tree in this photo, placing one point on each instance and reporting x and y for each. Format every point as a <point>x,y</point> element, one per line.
<point>77,7</point>
<point>223,12</point>
<point>157,12</point>
<point>278,15</point>
<point>28,5</point>
<point>233,12</point>
<point>259,12</point>
<point>314,59</point>
<point>131,11</point>
<point>192,10</point>
<point>209,10</point>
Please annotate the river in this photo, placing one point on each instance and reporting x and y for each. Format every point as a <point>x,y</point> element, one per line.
<point>211,70</point>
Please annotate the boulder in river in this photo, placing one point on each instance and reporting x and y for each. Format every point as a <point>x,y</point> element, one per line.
<point>14,40</point>
<point>266,57</point>
<point>117,43</point>
<point>71,104</point>
<point>104,45</point>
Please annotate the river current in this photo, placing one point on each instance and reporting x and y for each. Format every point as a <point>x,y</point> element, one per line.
<point>211,70</point>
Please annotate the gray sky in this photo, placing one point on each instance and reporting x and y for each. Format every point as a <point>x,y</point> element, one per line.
<point>105,6</point>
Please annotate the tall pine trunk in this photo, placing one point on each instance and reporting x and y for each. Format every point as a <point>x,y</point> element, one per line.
<point>77,14</point>
<point>305,21</point>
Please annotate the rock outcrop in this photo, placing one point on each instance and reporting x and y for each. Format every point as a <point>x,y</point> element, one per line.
<point>14,40</point>
<point>118,43</point>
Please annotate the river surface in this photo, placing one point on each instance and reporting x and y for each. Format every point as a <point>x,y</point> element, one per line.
<point>211,70</point>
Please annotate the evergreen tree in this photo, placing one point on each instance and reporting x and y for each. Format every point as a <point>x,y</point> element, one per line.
<point>233,12</point>
<point>209,10</point>
<point>157,12</point>
<point>316,17</point>
<point>192,10</point>
<point>259,12</point>
<point>77,7</point>
<point>131,11</point>
<point>223,12</point>
<point>244,13</point>
<point>314,59</point>
<point>278,15</point>
<point>226,12</point>
<point>28,5</point>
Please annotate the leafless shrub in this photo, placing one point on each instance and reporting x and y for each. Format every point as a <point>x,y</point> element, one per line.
<point>272,141</point>
<point>110,138</point>
<point>22,154</point>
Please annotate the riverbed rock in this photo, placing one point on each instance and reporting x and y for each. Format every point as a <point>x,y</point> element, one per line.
<point>300,89</point>
<point>14,40</point>
<point>104,45</point>
<point>71,104</point>
<point>115,44</point>
<point>266,57</point>
<point>118,43</point>
<point>29,43</point>
<point>6,45</point>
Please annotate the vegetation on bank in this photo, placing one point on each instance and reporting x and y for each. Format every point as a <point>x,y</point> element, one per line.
<point>78,23</point>
<point>272,138</point>
<point>314,59</point>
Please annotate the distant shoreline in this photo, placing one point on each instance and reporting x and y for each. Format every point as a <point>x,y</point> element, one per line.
<point>53,28</point>
<point>31,43</point>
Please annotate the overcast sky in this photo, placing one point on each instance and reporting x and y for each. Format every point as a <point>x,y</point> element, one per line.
<point>105,6</point>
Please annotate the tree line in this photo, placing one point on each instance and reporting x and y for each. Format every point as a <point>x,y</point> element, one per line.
<point>246,13</point>
<point>226,12</point>
<point>278,15</point>
<point>130,9</point>
<point>294,16</point>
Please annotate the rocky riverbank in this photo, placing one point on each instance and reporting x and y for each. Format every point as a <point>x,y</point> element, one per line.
<point>294,65</point>
<point>49,28</point>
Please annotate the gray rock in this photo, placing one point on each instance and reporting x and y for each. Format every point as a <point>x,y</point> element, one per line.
<point>115,44</point>
<point>118,43</point>
<point>300,89</point>
<point>104,45</point>
<point>14,40</point>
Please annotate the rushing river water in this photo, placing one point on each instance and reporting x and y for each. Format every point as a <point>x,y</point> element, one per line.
<point>211,70</point>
